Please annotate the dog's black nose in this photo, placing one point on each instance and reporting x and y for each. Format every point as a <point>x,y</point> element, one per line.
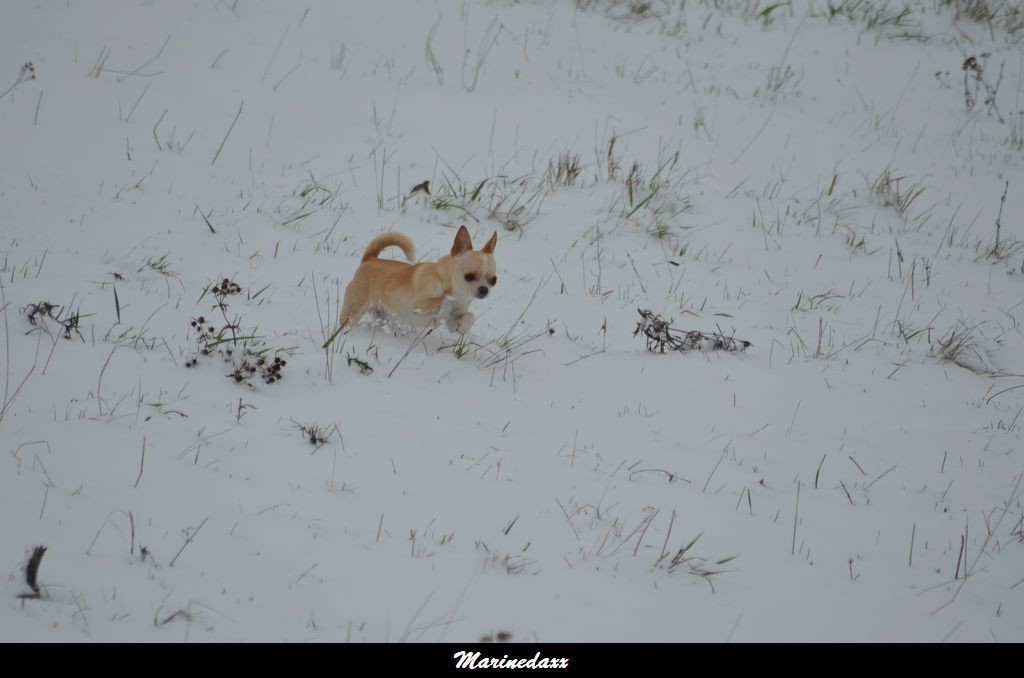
<point>482,291</point>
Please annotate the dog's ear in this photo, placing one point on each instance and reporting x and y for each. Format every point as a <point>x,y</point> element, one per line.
<point>462,243</point>
<point>489,246</point>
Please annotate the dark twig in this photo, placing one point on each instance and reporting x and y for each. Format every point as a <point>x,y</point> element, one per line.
<point>188,540</point>
<point>142,462</point>
<point>661,335</point>
<point>221,147</point>
<point>32,572</point>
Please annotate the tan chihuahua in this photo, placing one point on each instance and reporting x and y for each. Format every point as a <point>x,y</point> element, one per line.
<point>433,291</point>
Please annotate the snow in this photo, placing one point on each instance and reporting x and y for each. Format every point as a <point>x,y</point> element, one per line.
<point>542,477</point>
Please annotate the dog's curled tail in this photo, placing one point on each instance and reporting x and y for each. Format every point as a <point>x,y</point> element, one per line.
<point>385,240</point>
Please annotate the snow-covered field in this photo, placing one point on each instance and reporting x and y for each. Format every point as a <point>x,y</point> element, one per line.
<point>823,180</point>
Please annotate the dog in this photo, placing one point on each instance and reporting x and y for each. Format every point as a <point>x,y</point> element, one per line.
<point>437,292</point>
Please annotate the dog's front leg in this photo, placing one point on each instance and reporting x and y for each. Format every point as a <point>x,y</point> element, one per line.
<point>431,311</point>
<point>463,322</point>
<point>456,315</point>
<point>447,313</point>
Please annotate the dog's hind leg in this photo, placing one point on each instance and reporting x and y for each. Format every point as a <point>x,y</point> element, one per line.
<point>352,308</point>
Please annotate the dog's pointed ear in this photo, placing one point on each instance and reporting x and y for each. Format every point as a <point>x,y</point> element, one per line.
<point>463,243</point>
<point>489,246</point>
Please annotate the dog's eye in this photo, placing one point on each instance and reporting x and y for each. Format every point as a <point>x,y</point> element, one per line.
<point>493,280</point>
<point>470,277</point>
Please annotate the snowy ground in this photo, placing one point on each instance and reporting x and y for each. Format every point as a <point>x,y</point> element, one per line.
<point>854,475</point>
